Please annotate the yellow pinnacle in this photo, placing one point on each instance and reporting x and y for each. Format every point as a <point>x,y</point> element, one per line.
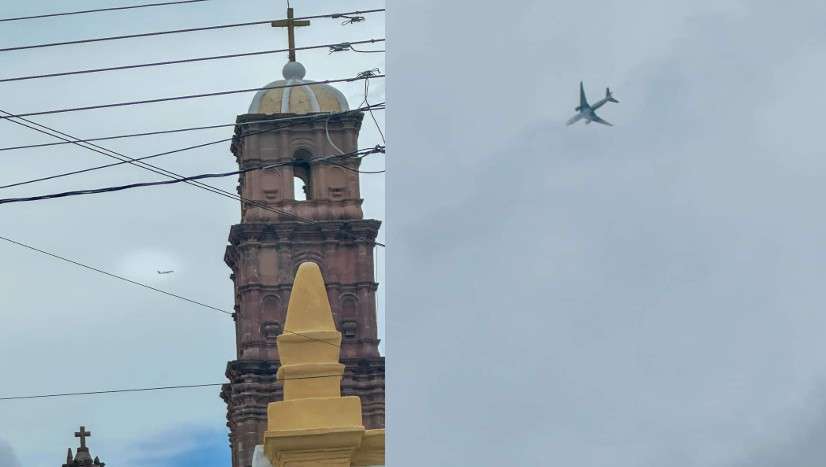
<point>310,345</point>
<point>314,426</point>
<point>309,307</point>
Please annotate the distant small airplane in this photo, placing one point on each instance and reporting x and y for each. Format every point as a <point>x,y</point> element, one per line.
<point>587,111</point>
<point>165,272</point>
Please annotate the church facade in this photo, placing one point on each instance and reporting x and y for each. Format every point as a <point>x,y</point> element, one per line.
<point>304,206</point>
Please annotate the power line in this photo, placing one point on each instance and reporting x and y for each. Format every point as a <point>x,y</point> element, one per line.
<point>155,169</point>
<point>175,62</point>
<point>99,10</point>
<point>158,170</point>
<point>179,31</point>
<point>367,103</point>
<point>76,263</point>
<point>179,297</point>
<point>209,188</point>
<point>127,159</point>
<point>368,51</point>
<point>174,181</point>
<point>147,166</point>
<point>111,391</point>
<point>109,153</point>
<point>115,276</point>
<point>379,106</point>
<point>108,138</point>
<point>158,388</point>
<point>190,96</point>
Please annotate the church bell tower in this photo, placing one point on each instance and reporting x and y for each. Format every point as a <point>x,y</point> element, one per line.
<point>302,207</point>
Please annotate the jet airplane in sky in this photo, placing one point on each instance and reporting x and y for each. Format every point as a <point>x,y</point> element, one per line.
<point>588,111</point>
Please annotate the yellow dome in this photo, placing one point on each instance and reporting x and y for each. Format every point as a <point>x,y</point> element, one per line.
<point>306,97</point>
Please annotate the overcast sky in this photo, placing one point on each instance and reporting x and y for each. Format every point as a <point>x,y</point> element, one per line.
<point>644,295</point>
<point>65,329</point>
<point>633,296</point>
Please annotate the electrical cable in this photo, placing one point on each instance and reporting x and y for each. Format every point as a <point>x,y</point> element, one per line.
<point>179,31</point>
<point>367,103</point>
<point>174,62</point>
<point>158,388</point>
<point>66,194</point>
<point>367,51</point>
<point>138,159</point>
<point>110,391</point>
<point>164,292</point>
<point>190,96</point>
<point>101,271</point>
<point>99,10</point>
<point>152,168</point>
<point>380,106</point>
<point>173,175</point>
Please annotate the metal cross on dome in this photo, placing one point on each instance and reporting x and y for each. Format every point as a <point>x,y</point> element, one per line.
<point>290,24</point>
<point>82,434</point>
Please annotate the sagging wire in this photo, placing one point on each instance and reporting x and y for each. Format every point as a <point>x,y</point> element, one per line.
<point>123,159</point>
<point>361,152</point>
<point>367,75</point>
<point>378,149</point>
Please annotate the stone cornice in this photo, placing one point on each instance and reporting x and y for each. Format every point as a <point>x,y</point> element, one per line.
<point>346,231</point>
<point>286,286</point>
<point>249,124</point>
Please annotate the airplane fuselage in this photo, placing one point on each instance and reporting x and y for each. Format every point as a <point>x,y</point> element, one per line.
<point>583,113</point>
<point>598,104</point>
<point>586,111</point>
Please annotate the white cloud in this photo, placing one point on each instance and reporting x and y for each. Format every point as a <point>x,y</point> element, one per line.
<point>7,456</point>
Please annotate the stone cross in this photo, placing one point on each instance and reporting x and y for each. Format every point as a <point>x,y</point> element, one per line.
<point>290,24</point>
<point>82,434</point>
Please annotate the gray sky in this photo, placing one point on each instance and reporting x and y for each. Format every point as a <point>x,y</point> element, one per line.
<point>65,329</point>
<point>641,295</point>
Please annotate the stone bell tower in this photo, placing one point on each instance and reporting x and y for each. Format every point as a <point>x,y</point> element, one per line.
<point>302,209</point>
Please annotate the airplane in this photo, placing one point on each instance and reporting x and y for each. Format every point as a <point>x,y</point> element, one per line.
<point>587,111</point>
<point>165,272</point>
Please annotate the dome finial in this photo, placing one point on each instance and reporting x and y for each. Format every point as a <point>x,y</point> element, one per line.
<point>294,70</point>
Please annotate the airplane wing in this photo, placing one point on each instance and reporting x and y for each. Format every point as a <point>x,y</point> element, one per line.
<point>574,119</point>
<point>583,102</point>
<point>599,120</point>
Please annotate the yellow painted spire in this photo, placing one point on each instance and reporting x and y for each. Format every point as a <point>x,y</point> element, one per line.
<point>314,425</point>
<point>309,307</point>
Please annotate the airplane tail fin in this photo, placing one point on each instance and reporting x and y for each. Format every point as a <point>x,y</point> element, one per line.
<point>609,96</point>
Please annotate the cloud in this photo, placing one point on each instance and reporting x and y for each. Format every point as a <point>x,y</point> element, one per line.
<point>204,447</point>
<point>798,439</point>
<point>7,456</point>
<point>633,296</point>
